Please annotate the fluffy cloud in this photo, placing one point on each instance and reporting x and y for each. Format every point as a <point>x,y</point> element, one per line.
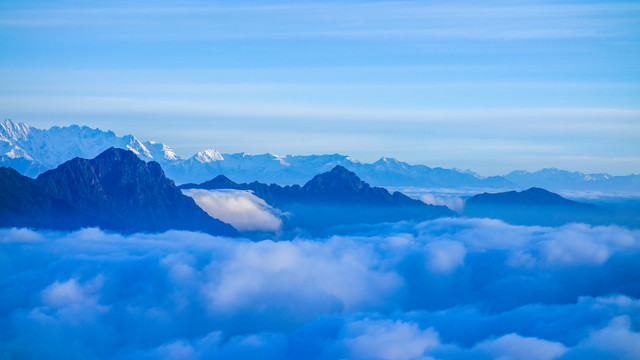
<point>445,255</point>
<point>615,341</point>
<point>446,289</point>
<point>386,339</point>
<point>242,209</point>
<point>454,203</point>
<point>277,277</point>
<point>14,235</point>
<point>516,347</point>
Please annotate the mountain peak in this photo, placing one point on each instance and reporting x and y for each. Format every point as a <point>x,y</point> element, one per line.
<point>339,169</point>
<point>161,152</point>
<point>12,131</point>
<point>386,160</point>
<point>533,196</point>
<point>534,206</point>
<point>9,172</point>
<point>536,190</point>
<point>218,182</point>
<point>337,181</point>
<point>117,154</point>
<point>207,156</point>
<point>117,190</point>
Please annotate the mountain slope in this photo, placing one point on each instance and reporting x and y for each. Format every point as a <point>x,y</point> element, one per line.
<point>534,206</point>
<point>336,197</point>
<point>567,180</point>
<point>114,191</point>
<point>23,203</point>
<point>32,151</point>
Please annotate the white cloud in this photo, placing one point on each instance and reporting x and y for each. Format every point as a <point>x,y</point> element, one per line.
<point>615,341</point>
<point>386,339</point>
<point>453,203</point>
<point>516,347</point>
<point>282,275</point>
<point>445,255</point>
<point>15,235</point>
<point>62,294</point>
<point>448,288</point>
<point>241,209</point>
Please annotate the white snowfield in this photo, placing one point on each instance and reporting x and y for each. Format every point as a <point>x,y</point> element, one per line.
<point>32,151</point>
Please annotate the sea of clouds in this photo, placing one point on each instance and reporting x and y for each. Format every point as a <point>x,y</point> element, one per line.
<point>442,289</point>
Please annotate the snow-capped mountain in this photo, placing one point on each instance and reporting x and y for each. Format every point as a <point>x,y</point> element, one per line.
<point>562,179</point>
<point>31,151</point>
<point>34,150</point>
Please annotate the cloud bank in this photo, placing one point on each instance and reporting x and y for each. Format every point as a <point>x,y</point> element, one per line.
<point>443,289</point>
<point>243,210</point>
<point>454,203</point>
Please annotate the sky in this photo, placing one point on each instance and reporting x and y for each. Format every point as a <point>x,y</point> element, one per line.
<point>491,86</point>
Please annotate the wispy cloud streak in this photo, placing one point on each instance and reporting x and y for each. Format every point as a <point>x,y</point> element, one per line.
<point>493,20</point>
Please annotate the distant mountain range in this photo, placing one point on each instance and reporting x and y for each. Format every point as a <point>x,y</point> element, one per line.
<point>32,151</point>
<point>534,206</point>
<point>114,191</point>
<point>336,197</point>
<point>118,191</point>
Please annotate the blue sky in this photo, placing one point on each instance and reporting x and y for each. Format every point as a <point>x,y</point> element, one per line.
<point>492,86</point>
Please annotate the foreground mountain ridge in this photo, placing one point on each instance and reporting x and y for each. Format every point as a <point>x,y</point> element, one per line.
<point>32,151</point>
<point>114,191</point>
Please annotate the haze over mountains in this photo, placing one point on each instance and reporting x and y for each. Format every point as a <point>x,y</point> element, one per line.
<point>32,151</point>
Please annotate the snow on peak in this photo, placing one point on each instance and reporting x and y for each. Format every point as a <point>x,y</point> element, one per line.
<point>168,153</point>
<point>160,151</point>
<point>17,152</point>
<point>282,159</point>
<point>136,146</point>
<point>352,160</point>
<point>207,156</point>
<point>387,160</point>
<point>12,131</point>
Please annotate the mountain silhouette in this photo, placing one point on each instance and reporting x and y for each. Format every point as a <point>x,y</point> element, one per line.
<point>114,191</point>
<point>534,206</point>
<point>23,203</point>
<point>335,197</point>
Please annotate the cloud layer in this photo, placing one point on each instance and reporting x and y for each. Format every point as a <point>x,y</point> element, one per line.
<point>445,289</point>
<point>243,210</point>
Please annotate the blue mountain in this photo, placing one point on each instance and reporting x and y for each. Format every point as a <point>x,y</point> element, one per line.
<point>534,206</point>
<point>32,151</point>
<point>336,197</point>
<point>114,191</point>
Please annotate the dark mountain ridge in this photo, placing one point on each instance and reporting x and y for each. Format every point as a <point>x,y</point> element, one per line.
<point>534,206</point>
<point>338,186</point>
<point>23,203</point>
<point>114,191</point>
<point>335,197</point>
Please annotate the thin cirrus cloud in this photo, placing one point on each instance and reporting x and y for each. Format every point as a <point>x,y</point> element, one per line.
<point>620,119</point>
<point>562,293</point>
<point>400,74</point>
<point>493,20</point>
